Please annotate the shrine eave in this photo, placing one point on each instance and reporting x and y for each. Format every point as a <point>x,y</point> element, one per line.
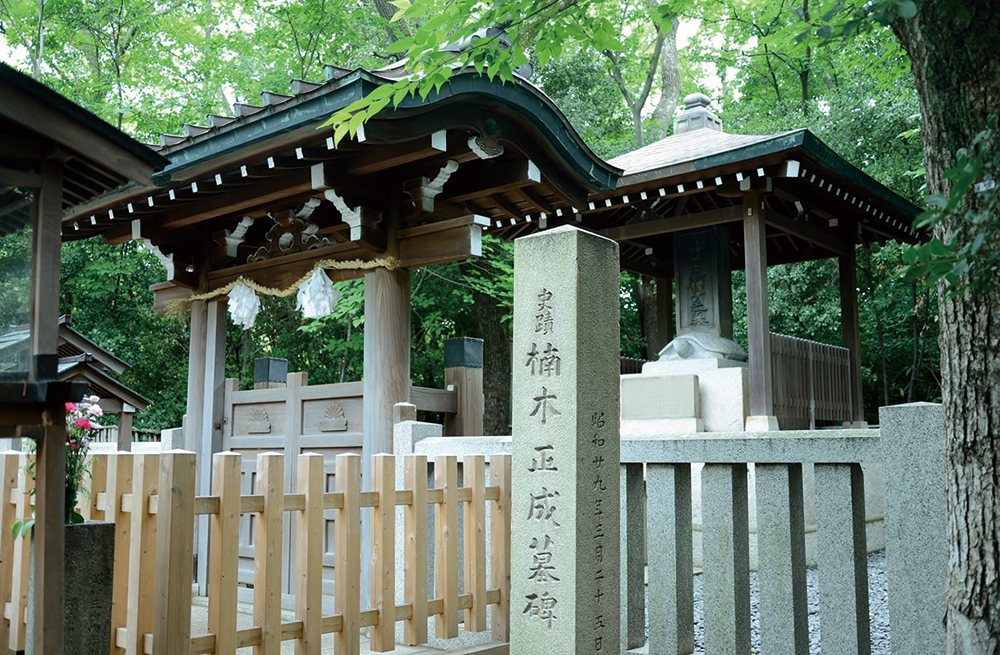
<point>798,145</point>
<point>310,109</point>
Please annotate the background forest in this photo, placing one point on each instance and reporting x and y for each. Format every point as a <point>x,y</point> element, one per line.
<point>149,67</point>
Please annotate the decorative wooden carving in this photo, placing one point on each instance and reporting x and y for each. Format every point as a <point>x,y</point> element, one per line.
<point>290,234</point>
<point>423,191</point>
<point>363,220</point>
<point>333,419</point>
<point>487,145</point>
<point>260,422</point>
<point>232,239</point>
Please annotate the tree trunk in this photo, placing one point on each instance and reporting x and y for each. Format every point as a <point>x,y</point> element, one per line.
<point>496,363</point>
<point>670,81</point>
<point>879,329</point>
<point>956,65</point>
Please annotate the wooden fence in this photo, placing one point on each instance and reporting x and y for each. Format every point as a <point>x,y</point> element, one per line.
<point>109,434</point>
<point>812,380</point>
<point>151,499</point>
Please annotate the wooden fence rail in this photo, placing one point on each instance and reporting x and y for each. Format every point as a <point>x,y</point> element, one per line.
<point>151,499</point>
<point>812,380</point>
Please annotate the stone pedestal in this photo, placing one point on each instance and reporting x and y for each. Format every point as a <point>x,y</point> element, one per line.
<point>88,573</point>
<point>565,536</point>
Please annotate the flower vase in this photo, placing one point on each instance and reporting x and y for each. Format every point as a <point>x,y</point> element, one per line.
<point>88,570</point>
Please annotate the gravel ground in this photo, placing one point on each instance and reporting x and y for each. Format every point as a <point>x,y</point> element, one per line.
<point>877,602</point>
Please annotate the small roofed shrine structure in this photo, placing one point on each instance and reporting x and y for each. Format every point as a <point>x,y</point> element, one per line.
<point>266,197</point>
<point>696,205</point>
<point>83,360</point>
<point>53,155</point>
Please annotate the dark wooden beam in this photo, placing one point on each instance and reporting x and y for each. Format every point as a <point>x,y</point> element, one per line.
<point>506,206</point>
<point>23,146</point>
<point>536,199</point>
<point>37,116</point>
<point>181,240</point>
<point>477,180</point>
<point>238,199</point>
<point>283,271</point>
<point>455,243</point>
<point>807,232</point>
<point>655,226</point>
<point>10,177</point>
<point>374,159</point>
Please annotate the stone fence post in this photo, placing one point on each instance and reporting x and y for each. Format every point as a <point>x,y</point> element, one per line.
<point>916,541</point>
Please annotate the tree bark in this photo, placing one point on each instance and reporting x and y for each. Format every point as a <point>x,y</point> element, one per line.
<point>496,363</point>
<point>670,81</point>
<point>956,66</point>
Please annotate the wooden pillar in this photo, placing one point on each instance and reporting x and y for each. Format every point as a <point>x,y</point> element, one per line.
<point>196,375</point>
<point>50,462</point>
<point>463,370</point>
<point>758,324</point>
<point>125,428</point>
<point>664,309</point>
<point>47,240</point>
<point>209,429</point>
<point>386,379</point>
<point>851,330</point>
<point>387,357</point>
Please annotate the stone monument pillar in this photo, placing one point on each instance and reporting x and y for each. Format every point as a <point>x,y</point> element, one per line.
<point>704,289</point>
<point>704,297</point>
<point>565,569</point>
<point>700,381</point>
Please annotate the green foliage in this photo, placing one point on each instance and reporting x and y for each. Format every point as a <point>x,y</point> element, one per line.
<point>580,86</point>
<point>15,262</point>
<point>968,257</point>
<point>106,289</point>
<point>632,339</point>
<point>454,35</point>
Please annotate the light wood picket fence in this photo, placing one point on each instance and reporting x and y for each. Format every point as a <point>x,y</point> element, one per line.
<point>151,601</point>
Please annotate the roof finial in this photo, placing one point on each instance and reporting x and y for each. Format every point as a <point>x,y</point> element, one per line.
<point>696,115</point>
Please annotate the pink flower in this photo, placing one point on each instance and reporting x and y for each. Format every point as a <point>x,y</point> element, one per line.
<point>95,410</point>
<point>73,446</point>
<point>70,407</point>
<point>83,423</point>
<point>94,399</point>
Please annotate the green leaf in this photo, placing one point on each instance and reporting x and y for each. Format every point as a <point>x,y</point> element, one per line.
<point>401,46</point>
<point>402,4</point>
<point>906,8</point>
<point>937,248</point>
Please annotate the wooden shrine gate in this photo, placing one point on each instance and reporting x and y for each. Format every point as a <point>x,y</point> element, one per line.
<point>295,419</point>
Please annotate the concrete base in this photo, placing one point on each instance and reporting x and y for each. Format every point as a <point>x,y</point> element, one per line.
<point>762,424</point>
<point>723,394</point>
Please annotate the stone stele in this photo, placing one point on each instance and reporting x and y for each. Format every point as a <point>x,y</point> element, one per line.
<point>565,551</point>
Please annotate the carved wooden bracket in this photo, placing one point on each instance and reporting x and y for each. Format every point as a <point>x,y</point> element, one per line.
<point>487,145</point>
<point>290,234</point>
<point>363,220</point>
<point>423,191</point>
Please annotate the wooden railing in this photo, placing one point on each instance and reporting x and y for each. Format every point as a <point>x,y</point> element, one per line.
<point>109,434</point>
<point>151,499</point>
<point>811,380</point>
